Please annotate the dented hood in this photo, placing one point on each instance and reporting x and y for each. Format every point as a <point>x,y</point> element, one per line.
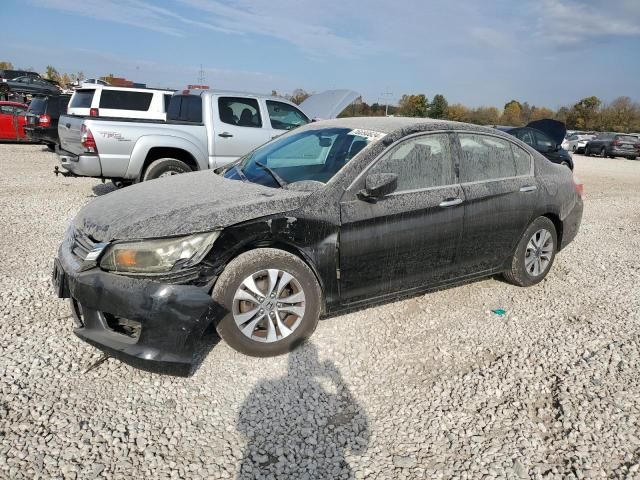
<point>329,104</point>
<point>555,129</point>
<point>181,205</point>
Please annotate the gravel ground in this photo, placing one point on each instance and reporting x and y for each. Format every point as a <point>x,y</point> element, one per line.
<point>435,386</point>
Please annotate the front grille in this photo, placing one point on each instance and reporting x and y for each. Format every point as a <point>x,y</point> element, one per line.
<point>81,244</point>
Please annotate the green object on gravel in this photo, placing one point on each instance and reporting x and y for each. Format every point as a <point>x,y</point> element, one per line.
<point>499,311</point>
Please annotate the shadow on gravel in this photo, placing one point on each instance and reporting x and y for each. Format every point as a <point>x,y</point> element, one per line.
<point>103,188</point>
<point>301,425</point>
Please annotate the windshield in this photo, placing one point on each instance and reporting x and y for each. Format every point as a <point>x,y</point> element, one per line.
<point>310,155</point>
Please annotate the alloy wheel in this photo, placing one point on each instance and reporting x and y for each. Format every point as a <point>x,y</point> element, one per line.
<point>268,305</point>
<point>539,252</point>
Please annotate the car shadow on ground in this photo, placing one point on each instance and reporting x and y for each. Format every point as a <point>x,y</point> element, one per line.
<point>102,189</point>
<point>303,424</point>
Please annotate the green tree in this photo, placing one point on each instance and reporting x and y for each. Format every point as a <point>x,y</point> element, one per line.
<point>484,116</point>
<point>512,114</point>
<point>413,106</point>
<point>52,73</point>
<point>584,115</point>
<point>438,107</point>
<point>298,96</point>
<point>539,113</point>
<point>458,113</point>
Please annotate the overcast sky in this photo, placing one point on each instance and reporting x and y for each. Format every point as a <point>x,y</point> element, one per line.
<point>547,52</point>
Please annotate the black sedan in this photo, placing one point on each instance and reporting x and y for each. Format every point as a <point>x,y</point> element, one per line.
<point>545,136</point>
<point>29,85</point>
<point>331,216</point>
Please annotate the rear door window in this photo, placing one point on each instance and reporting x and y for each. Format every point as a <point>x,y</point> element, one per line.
<point>420,162</point>
<point>241,112</point>
<point>185,108</point>
<point>284,116</point>
<point>526,135</point>
<point>122,100</point>
<point>82,98</point>
<point>484,157</point>
<point>543,142</point>
<point>38,105</point>
<point>627,138</point>
<point>522,160</point>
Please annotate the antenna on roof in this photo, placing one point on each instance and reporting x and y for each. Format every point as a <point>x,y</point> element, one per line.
<point>201,75</point>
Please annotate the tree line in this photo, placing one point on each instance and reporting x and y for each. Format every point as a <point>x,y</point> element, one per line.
<point>589,114</point>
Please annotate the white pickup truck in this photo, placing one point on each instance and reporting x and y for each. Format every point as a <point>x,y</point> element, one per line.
<point>204,129</point>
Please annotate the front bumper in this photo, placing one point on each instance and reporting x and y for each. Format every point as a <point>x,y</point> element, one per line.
<point>80,165</point>
<point>150,325</point>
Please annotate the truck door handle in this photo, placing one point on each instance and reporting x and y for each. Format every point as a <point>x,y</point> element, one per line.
<point>528,188</point>
<point>450,202</point>
<point>68,125</point>
<point>225,135</point>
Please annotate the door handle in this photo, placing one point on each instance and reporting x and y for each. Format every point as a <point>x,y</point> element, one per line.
<point>225,135</point>
<point>528,188</point>
<point>68,125</point>
<point>450,202</point>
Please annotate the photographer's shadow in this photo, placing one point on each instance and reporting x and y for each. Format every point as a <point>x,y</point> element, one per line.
<point>301,425</point>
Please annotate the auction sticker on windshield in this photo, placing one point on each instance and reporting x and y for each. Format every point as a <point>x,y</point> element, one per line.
<point>368,134</point>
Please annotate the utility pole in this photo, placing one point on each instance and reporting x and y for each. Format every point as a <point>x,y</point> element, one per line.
<point>386,95</point>
<point>201,76</point>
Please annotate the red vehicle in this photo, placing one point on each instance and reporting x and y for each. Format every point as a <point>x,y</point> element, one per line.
<point>12,121</point>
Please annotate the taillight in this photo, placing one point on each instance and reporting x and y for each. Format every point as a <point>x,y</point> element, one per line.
<point>87,140</point>
<point>615,143</point>
<point>579,186</point>
<point>44,120</point>
<point>93,112</point>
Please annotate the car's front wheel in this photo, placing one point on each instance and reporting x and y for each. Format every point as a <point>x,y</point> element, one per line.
<point>534,254</point>
<point>270,302</point>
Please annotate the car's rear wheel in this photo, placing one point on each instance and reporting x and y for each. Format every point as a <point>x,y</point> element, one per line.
<point>573,149</point>
<point>603,152</point>
<point>534,254</point>
<point>587,153</point>
<point>165,167</point>
<point>270,302</point>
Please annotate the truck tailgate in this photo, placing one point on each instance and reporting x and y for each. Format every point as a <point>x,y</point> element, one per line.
<point>70,132</point>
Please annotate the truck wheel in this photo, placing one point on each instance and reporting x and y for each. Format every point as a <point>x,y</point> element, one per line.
<point>164,167</point>
<point>270,302</point>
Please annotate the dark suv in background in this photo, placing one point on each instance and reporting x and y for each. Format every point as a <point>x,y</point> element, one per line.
<point>545,136</point>
<point>613,145</point>
<point>42,119</point>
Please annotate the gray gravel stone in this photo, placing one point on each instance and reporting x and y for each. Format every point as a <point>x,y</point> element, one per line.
<point>435,386</point>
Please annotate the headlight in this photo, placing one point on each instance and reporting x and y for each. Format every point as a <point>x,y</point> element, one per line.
<point>157,256</point>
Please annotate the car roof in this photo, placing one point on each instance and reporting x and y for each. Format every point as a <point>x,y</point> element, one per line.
<point>233,93</point>
<point>403,125</point>
<point>14,104</point>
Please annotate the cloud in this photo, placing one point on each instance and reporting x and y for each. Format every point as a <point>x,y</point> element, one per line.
<point>301,24</point>
<point>571,23</point>
<point>127,12</point>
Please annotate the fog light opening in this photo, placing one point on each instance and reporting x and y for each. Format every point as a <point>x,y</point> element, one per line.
<point>123,326</point>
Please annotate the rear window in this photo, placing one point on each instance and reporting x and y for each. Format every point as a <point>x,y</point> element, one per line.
<point>38,105</point>
<point>627,138</point>
<point>121,100</point>
<point>82,98</point>
<point>185,108</point>
<point>167,100</point>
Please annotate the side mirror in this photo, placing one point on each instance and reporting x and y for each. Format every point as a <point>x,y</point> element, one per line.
<point>378,185</point>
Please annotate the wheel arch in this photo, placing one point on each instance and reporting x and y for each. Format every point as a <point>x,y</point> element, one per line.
<point>555,219</point>
<point>156,153</point>
<point>279,244</point>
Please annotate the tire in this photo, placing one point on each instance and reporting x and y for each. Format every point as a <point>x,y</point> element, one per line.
<point>232,295</point>
<point>586,152</point>
<point>164,167</point>
<point>573,149</point>
<point>566,164</point>
<point>603,152</point>
<point>632,158</point>
<point>519,273</point>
